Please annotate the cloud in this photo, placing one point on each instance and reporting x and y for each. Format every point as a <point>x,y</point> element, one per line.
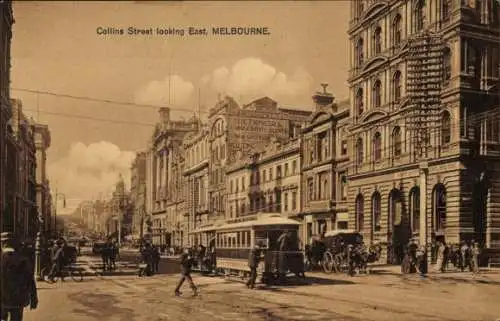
<point>157,92</point>
<point>253,78</point>
<point>91,169</point>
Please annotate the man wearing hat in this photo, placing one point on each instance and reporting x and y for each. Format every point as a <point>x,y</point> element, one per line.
<point>17,281</point>
<point>253,264</point>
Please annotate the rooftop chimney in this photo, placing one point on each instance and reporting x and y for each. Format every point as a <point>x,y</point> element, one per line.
<point>164,115</point>
<point>322,99</point>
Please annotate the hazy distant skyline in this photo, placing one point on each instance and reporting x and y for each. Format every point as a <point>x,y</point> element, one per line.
<point>55,48</point>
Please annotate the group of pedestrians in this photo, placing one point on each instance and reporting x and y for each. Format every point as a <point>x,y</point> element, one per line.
<point>18,287</point>
<point>149,259</point>
<point>109,253</point>
<point>463,256</point>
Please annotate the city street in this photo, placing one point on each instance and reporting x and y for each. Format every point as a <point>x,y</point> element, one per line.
<point>383,295</point>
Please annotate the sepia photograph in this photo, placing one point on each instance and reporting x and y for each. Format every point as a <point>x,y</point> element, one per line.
<point>250,160</point>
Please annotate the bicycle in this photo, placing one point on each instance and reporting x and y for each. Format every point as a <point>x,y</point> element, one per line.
<point>69,270</point>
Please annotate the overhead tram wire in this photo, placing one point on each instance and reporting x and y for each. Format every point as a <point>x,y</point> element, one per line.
<point>473,118</point>
<point>190,111</point>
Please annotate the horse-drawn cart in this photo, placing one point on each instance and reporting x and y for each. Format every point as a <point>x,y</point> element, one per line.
<point>344,251</point>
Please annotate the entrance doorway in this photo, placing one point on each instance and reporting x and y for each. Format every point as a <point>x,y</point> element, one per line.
<point>399,228</point>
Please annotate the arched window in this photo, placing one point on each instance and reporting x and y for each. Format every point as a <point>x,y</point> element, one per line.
<point>396,30</point>
<point>445,128</point>
<point>377,41</point>
<point>396,86</point>
<point>395,208</point>
<point>396,141</point>
<point>439,208</point>
<point>376,212</point>
<point>360,215</point>
<point>419,16</point>
<point>359,101</point>
<point>415,209</point>
<point>447,64</point>
<point>377,94</point>
<point>359,52</point>
<point>377,146</point>
<point>359,151</point>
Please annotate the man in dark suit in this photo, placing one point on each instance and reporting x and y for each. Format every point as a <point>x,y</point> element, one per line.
<point>186,264</point>
<point>18,287</point>
<point>253,264</point>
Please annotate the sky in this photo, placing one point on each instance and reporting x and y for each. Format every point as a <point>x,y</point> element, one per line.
<point>56,50</point>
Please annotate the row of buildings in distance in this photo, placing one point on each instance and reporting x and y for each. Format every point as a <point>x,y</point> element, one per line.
<point>413,152</point>
<point>25,198</point>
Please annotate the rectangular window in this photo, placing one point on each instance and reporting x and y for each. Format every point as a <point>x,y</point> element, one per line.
<point>343,185</point>
<point>342,225</point>
<point>285,201</point>
<point>294,200</point>
<point>286,170</point>
<point>343,150</point>
<point>243,187</point>
<point>294,167</point>
<point>271,173</point>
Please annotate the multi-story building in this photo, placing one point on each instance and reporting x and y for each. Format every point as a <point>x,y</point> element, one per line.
<point>6,170</point>
<point>234,131</point>
<point>425,135</point>
<point>21,216</point>
<point>138,194</point>
<point>268,180</point>
<point>168,185</point>
<point>196,157</point>
<point>42,143</point>
<point>324,165</point>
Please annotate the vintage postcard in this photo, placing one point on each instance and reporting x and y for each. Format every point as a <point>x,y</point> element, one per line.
<point>250,160</point>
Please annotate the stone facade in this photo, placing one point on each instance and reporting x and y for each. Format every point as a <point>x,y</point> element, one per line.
<point>196,151</point>
<point>42,143</point>
<point>267,180</point>
<point>169,186</point>
<point>235,132</point>
<point>138,194</point>
<point>21,217</point>
<point>397,189</point>
<point>324,165</point>
<point>6,21</point>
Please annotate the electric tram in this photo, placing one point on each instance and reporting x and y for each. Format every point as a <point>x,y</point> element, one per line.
<point>275,235</point>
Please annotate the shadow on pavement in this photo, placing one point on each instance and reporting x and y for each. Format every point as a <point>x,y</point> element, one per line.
<point>100,306</point>
<point>307,281</point>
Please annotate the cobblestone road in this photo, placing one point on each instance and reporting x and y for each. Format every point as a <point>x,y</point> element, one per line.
<point>382,296</point>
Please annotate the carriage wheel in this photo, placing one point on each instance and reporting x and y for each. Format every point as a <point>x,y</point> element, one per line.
<point>337,263</point>
<point>328,262</point>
